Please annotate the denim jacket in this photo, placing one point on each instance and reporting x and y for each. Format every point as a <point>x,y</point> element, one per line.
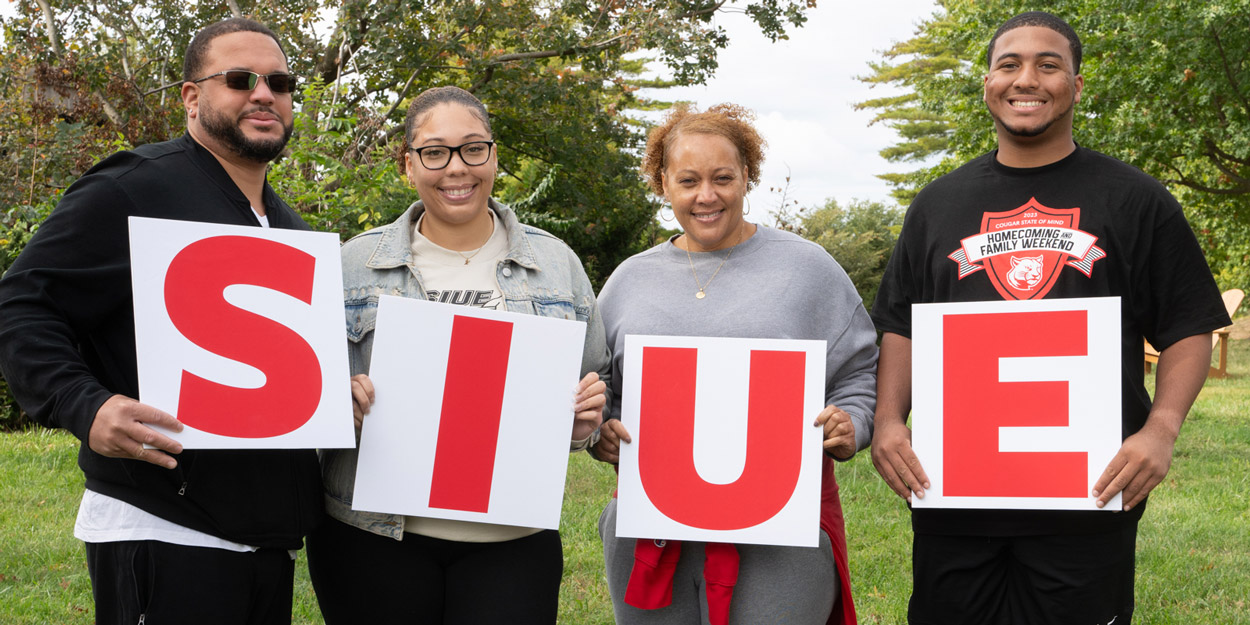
<point>540,275</point>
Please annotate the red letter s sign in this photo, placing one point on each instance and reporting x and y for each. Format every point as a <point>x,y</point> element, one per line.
<point>194,298</point>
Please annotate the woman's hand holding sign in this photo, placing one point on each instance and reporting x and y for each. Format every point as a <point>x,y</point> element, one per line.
<point>362,397</point>
<point>839,432</point>
<point>588,405</point>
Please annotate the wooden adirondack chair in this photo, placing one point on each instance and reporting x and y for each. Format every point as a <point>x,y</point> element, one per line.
<point>1219,338</point>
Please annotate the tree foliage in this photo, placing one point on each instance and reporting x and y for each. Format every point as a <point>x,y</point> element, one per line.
<point>84,78</point>
<point>559,77</point>
<point>1167,88</point>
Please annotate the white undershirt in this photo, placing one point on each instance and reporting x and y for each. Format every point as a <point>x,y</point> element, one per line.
<point>264,219</point>
<point>104,519</point>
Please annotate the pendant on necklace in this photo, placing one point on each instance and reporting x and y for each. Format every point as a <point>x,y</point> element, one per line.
<point>466,261</point>
<point>700,294</point>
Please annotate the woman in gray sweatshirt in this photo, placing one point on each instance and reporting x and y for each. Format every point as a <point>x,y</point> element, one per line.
<point>726,277</point>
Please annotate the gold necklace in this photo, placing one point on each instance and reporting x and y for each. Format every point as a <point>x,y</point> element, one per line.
<point>470,256</point>
<point>702,294</point>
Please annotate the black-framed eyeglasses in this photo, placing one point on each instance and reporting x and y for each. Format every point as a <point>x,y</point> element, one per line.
<point>435,157</point>
<point>243,80</point>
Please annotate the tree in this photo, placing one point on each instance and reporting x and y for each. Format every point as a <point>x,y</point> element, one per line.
<point>559,77</point>
<point>1167,89</point>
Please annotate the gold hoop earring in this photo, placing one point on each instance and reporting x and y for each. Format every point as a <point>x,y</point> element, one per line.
<point>671,215</point>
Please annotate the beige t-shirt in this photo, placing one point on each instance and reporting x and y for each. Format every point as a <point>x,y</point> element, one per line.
<point>448,278</point>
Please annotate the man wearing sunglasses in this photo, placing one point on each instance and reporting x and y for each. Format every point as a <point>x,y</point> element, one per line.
<point>172,536</point>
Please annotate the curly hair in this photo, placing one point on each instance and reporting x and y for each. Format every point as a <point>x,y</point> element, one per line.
<point>730,121</point>
<point>421,105</point>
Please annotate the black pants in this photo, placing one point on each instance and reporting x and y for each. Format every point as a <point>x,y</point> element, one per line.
<point>361,577</point>
<point>160,583</point>
<point>1023,580</point>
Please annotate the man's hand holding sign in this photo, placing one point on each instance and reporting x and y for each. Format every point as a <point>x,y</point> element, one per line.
<point>1145,457</point>
<point>123,428</point>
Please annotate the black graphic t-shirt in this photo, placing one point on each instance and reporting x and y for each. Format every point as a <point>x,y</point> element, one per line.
<point>1085,226</point>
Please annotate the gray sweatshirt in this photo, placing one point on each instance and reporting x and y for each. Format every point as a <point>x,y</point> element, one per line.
<point>775,285</point>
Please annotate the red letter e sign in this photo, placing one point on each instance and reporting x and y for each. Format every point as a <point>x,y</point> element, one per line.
<point>1016,404</point>
<point>239,333</point>
<point>724,447</point>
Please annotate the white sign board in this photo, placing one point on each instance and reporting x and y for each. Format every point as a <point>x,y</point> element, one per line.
<point>239,334</point>
<point>724,447</point>
<point>472,416</point>
<point>1016,404</point>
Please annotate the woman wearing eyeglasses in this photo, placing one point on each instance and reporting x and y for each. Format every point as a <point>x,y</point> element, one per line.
<point>459,246</point>
<point>726,277</point>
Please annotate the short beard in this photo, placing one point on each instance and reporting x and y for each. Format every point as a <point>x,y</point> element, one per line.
<point>228,133</point>
<point>1031,132</point>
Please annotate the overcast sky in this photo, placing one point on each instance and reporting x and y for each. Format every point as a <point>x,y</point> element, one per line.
<point>803,89</point>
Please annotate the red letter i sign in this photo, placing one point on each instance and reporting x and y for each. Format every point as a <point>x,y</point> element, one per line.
<point>473,414</point>
<point>1016,404</point>
<point>724,448</point>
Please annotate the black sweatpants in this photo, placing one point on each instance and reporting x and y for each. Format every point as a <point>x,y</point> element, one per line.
<point>361,577</point>
<point>156,583</point>
<point>1023,580</point>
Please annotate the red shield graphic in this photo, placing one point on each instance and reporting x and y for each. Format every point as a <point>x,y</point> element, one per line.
<point>1027,275</point>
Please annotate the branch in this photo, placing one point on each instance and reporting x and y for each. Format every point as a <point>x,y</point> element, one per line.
<point>339,50</point>
<point>234,8</point>
<point>1228,73</point>
<point>1186,182</point>
<point>109,111</point>
<point>487,76</point>
<point>162,87</point>
<point>1215,150</point>
<point>546,54</point>
<point>49,20</point>
<point>701,12</point>
<point>329,67</point>
<point>1213,155</point>
<point>513,147</point>
<point>404,91</point>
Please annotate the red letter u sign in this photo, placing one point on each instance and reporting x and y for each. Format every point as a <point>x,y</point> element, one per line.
<point>773,448</point>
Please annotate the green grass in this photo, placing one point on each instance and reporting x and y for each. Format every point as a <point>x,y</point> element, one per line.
<point>1193,545</point>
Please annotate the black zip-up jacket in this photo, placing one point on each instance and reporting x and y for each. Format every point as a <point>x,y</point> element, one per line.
<point>67,344</point>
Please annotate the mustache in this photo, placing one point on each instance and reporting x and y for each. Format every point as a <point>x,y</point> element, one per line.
<point>260,109</point>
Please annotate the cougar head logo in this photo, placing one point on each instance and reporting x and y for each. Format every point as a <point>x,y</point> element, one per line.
<point>1026,273</point>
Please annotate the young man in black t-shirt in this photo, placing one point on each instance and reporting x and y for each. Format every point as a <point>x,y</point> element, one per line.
<point>1041,217</point>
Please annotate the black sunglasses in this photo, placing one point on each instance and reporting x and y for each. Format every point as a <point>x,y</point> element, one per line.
<point>243,80</point>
